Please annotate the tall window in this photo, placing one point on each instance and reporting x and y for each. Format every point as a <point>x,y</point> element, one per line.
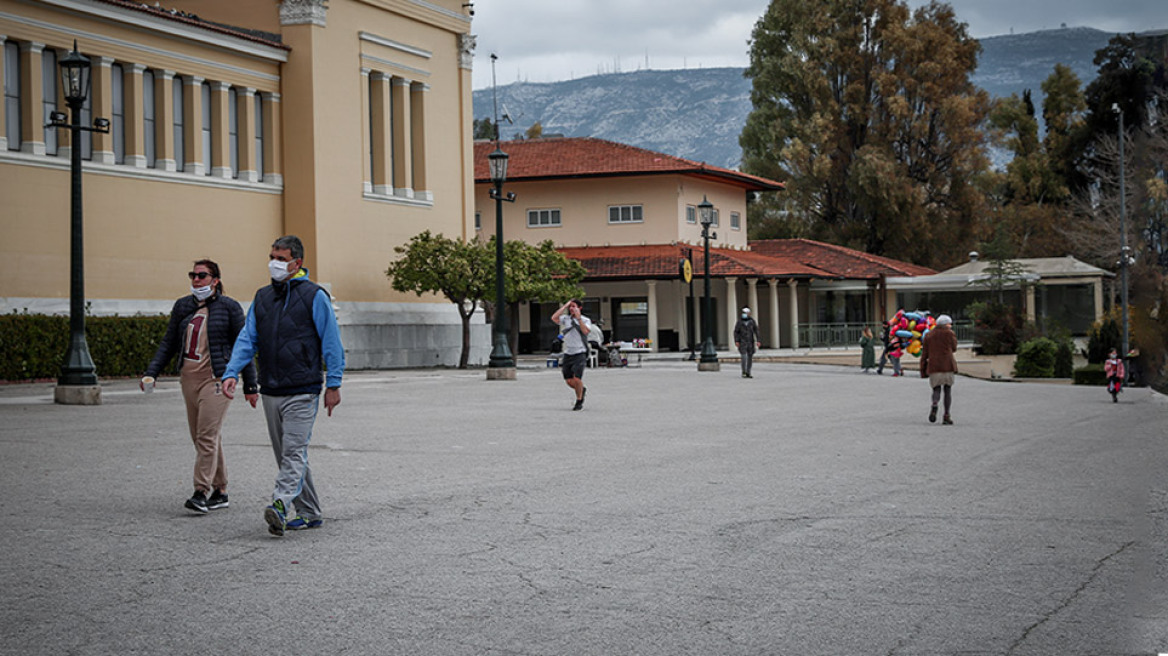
<point>118,120</point>
<point>205,93</point>
<point>717,219</point>
<point>691,214</point>
<point>233,131</point>
<point>148,116</point>
<point>49,97</point>
<point>624,214</point>
<point>178,111</point>
<point>259,136</point>
<point>478,220</point>
<point>12,94</point>
<point>543,218</point>
<point>735,221</point>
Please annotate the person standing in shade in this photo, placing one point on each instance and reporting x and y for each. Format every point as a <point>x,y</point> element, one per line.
<point>867,350</point>
<point>939,364</point>
<point>202,330</point>
<point>885,331</point>
<point>574,327</point>
<point>746,340</point>
<point>292,328</point>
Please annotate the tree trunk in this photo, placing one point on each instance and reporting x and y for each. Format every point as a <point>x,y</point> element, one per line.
<point>464,357</point>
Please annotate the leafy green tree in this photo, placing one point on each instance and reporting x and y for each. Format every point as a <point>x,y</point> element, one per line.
<point>485,129</point>
<point>868,114</point>
<point>459,270</point>
<point>534,274</point>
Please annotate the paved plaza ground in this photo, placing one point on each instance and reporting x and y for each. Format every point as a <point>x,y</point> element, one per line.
<point>810,510</point>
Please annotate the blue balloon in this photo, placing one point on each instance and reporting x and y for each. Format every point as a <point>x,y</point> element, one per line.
<point>904,333</point>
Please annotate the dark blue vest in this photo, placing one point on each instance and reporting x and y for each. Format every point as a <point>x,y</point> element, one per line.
<point>287,342</point>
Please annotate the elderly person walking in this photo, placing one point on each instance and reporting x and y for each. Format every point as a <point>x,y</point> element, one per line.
<point>746,340</point>
<point>939,365</point>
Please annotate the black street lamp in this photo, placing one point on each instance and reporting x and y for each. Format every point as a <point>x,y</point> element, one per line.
<point>77,383</point>
<point>709,357</point>
<point>502,364</point>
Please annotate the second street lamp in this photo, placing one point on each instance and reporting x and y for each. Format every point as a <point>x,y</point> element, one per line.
<point>709,358</point>
<point>502,364</point>
<point>77,383</point>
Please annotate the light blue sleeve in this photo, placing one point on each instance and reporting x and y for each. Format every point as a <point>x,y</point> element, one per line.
<point>244,349</point>
<point>330,338</point>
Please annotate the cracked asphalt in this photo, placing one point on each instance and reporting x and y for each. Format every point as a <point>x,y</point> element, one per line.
<point>811,510</point>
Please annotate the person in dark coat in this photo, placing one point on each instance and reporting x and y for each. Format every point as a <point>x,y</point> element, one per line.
<point>202,330</point>
<point>867,350</point>
<point>939,364</point>
<point>746,340</point>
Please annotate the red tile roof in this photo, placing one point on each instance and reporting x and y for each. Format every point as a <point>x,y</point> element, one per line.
<point>587,157</point>
<point>777,258</point>
<point>838,260</point>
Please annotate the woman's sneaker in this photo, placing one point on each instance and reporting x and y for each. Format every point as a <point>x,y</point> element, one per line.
<point>299,523</point>
<point>217,500</point>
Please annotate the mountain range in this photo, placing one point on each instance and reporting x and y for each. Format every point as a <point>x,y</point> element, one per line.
<point>699,113</point>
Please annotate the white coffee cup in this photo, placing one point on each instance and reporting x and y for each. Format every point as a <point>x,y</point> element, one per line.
<point>148,384</point>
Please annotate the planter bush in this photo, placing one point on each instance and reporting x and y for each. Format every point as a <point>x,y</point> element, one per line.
<point>1036,359</point>
<point>1091,374</point>
<point>33,345</point>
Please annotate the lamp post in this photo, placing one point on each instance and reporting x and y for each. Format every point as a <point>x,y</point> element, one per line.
<point>77,383</point>
<point>709,357</point>
<point>502,364</point>
<point>1124,257</point>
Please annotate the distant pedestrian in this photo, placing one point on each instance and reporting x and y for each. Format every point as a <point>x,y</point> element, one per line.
<point>574,326</point>
<point>202,330</point>
<point>867,350</point>
<point>1115,371</point>
<point>884,332</point>
<point>895,350</point>
<point>939,365</point>
<point>746,340</point>
<point>291,327</point>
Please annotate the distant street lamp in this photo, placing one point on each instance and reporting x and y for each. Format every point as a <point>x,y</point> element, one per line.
<point>709,357</point>
<point>502,364</point>
<point>1124,251</point>
<point>77,383</point>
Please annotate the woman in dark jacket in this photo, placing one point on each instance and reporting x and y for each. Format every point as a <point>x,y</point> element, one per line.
<point>202,330</point>
<point>939,364</point>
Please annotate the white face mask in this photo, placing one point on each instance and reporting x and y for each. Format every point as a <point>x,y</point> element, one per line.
<point>745,316</point>
<point>278,270</point>
<point>203,293</point>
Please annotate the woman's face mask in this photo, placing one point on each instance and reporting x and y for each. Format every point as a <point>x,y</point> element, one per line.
<point>202,293</point>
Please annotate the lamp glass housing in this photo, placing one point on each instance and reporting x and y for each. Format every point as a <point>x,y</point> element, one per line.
<point>497,161</point>
<point>706,211</point>
<point>75,76</point>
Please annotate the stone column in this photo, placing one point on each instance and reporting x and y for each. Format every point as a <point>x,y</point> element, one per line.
<point>102,87</point>
<point>366,133</point>
<point>221,130</point>
<point>164,153</point>
<point>3,109</point>
<point>652,285</point>
<point>682,329</point>
<point>193,126</point>
<point>1031,314</point>
<point>774,327</point>
<point>245,123</point>
<point>731,309</point>
<point>1098,286</point>
<point>421,186</point>
<point>132,106</point>
<point>752,302</point>
<point>793,285</point>
<point>380,133</point>
<point>403,166</point>
<point>32,93</point>
<point>273,133</point>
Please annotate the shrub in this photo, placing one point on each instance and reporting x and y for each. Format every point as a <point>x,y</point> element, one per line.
<point>1036,359</point>
<point>1091,374</point>
<point>1104,336</point>
<point>998,328</point>
<point>33,345</point>
<point>1064,359</point>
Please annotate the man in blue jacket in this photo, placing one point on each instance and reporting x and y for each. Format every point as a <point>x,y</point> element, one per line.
<point>292,328</point>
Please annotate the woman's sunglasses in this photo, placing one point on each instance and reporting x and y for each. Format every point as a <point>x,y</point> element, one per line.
<point>198,275</point>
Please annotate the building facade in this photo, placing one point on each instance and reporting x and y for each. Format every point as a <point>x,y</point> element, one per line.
<point>347,123</point>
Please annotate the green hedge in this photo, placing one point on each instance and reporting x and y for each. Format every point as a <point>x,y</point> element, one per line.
<point>1091,374</point>
<point>1036,359</point>
<point>33,345</point>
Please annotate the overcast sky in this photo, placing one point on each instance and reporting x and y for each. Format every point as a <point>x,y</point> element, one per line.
<point>552,40</point>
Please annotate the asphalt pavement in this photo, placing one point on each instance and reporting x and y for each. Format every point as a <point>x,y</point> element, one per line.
<point>809,510</point>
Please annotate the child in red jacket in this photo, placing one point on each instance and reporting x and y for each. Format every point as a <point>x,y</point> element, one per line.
<point>1115,371</point>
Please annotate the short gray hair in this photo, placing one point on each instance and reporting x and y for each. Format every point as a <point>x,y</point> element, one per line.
<point>290,243</point>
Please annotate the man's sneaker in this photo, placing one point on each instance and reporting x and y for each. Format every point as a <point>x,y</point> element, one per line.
<point>217,500</point>
<point>579,404</point>
<point>946,420</point>
<point>274,516</point>
<point>299,523</point>
<point>933,415</point>
<point>197,502</point>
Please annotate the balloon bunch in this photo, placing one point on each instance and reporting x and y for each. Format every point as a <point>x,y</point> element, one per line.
<point>910,328</point>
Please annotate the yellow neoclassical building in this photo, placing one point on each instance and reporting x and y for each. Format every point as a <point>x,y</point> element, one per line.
<point>346,122</point>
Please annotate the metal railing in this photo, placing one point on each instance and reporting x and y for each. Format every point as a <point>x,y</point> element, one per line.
<point>829,335</point>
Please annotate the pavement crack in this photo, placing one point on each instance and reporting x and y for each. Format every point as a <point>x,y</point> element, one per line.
<point>1071,598</point>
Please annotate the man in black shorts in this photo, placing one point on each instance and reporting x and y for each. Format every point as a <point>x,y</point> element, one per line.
<point>574,326</point>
